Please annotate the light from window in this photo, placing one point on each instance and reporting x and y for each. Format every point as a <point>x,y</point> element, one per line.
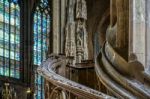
<point>41,30</point>
<point>10,38</point>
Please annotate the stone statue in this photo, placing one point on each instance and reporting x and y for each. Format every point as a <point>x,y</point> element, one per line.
<point>81,16</point>
<point>79,48</point>
<point>70,40</point>
<point>70,46</point>
<point>76,34</point>
<point>81,10</point>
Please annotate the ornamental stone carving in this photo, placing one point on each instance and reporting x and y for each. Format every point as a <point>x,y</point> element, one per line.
<point>76,34</point>
<point>81,17</point>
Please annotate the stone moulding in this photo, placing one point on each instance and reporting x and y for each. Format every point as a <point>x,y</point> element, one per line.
<point>47,70</point>
<point>116,74</point>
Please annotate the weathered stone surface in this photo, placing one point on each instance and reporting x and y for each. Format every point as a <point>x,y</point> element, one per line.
<point>56,26</point>
<point>148,34</point>
<point>138,31</point>
<point>49,72</point>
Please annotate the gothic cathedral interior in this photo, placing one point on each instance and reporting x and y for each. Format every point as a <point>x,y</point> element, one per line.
<point>74,49</point>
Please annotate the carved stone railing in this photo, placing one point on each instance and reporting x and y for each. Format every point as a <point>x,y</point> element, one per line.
<point>59,87</point>
<point>124,79</point>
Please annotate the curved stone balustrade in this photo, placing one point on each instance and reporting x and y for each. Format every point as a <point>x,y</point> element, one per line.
<point>63,85</point>
<point>122,77</point>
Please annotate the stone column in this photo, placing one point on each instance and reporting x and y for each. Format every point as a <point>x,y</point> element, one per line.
<point>148,34</point>
<point>113,12</point>
<point>70,46</point>
<point>63,20</point>
<point>56,26</point>
<point>122,23</point>
<point>137,30</point>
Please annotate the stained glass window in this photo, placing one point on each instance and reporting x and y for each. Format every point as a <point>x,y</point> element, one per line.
<point>41,30</point>
<point>10,38</point>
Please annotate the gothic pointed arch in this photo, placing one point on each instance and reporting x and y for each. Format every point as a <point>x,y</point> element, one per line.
<point>41,35</point>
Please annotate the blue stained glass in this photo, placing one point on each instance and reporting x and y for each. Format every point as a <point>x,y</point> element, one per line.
<point>6,71</point>
<point>41,29</point>
<point>1,66</point>
<point>15,1</point>
<point>38,95</point>
<point>1,70</point>
<point>9,40</point>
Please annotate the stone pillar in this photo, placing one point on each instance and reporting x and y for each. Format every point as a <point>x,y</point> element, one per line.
<point>56,26</point>
<point>81,32</point>
<point>137,30</point>
<point>70,46</point>
<point>148,34</point>
<point>113,12</point>
<point>122,23</point>
<point>63,20</point>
